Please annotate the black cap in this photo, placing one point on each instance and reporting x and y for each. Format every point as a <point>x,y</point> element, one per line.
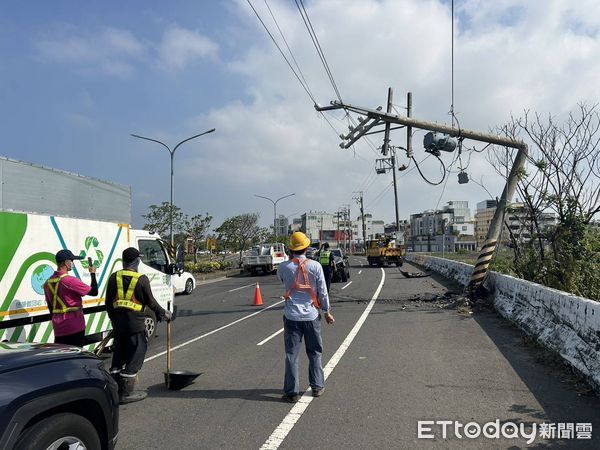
<point>66,255</point>
<point>130,254</point>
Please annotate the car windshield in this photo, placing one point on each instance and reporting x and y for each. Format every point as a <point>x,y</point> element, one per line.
<point>337,252</point>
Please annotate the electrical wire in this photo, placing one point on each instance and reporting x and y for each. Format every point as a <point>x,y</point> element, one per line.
<point>446,182</point>
<point>288,47</point>
<point>425,178</point>
<point>304,86</point>
<point>452,69</point>
<point>317,45</point>
<point>379,196</point>
<point>414,167</point>
<point>282,54</point>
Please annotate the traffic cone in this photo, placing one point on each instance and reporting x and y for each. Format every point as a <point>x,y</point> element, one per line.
<point>257,296</point>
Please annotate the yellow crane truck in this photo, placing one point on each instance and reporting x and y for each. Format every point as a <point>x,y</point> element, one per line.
<point>383,251</point>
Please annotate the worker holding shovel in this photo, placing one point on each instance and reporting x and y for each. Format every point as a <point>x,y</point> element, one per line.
<point>127,295</point>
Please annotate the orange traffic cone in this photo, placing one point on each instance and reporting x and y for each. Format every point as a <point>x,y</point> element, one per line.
<point>257,296</point>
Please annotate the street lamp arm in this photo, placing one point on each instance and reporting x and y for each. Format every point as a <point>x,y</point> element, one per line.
<point>285,196</point>
<point>153,140</point>
<point>193,137</point>
<point>266,198</point>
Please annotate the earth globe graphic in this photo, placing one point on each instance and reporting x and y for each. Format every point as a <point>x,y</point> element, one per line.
<point>39,276</point>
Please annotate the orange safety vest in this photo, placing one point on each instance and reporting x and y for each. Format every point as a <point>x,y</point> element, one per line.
<point>58,304</point>
<point>301,283</point>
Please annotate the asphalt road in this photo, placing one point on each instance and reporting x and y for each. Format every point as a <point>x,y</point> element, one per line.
<point>391,362</point>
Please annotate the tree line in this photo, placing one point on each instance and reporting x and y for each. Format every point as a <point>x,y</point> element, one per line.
<point>562,176</point>
<point>237,233</point>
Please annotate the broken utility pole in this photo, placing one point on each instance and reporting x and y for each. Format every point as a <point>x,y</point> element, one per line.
<point>377,117</point>
<point>362,218</point>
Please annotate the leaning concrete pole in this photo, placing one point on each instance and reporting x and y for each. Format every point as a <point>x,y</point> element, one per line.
<point>491,241</point>
<point>487,251</point>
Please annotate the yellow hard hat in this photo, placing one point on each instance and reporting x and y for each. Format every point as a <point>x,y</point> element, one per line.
<point>299,241</point>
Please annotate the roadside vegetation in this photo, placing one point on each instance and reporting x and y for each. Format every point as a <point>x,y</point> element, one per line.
<point>206,251</point>
<point>562,175</point>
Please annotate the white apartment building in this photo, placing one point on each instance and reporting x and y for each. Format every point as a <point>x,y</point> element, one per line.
<point>449,229</point>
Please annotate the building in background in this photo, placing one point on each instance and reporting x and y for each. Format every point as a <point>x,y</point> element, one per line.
<point>321,226</point>
<point>282,225</point>
<point>403,236</point>
<point>450,229</point>
<point>516,223</point>
<point>372,228</point>
<point>296,225</point>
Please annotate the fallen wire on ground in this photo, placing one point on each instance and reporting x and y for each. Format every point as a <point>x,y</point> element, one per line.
<point>414,274</point>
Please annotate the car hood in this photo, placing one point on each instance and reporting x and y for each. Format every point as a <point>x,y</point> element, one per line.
<point>15,355</point>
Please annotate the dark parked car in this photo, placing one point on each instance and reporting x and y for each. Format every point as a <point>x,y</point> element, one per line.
<point>342,266</point>
<point>55,396</point>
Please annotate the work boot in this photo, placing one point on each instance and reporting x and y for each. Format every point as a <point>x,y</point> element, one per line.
<point>129,395</point>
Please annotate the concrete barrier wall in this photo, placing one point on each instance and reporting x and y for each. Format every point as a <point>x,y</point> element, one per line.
<point>564,323</point>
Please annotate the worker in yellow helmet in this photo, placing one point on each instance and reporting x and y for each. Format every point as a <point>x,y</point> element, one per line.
<point>306,295</point>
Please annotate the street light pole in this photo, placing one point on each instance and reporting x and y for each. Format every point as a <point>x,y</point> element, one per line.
<point>172,154</point>
<point>275,210</point>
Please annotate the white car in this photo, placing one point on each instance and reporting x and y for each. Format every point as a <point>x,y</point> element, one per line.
<point>184,283</point>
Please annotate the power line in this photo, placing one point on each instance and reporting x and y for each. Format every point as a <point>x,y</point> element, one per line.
<point>288,47</point>
<point>315,40</point>
<point>282,54</point>
<point>379,196</point>
<point>304,86</point>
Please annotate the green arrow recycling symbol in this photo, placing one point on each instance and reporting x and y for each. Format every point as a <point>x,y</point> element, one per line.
<point>92,251</point>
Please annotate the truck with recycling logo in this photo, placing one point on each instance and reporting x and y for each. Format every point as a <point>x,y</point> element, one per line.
<point>44,210</point>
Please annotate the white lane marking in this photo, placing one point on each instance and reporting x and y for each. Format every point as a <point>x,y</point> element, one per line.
<point>243,287</point>
<point>270,337</point>
<point>345,286</point>
<point>197,338</point>
<point>212,280</point>
<point>286,425</point>
<point>360,271</point>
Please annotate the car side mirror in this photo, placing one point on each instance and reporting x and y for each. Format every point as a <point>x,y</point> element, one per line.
<point>172,269</point>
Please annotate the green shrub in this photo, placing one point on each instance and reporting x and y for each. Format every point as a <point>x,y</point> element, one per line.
<point>225,265</point>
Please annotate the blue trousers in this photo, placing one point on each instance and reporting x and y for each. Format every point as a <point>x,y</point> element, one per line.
<point>293,333</point>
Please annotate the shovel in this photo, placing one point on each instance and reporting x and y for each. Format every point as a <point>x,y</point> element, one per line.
<point>103,343</point>
<point>176,379</point>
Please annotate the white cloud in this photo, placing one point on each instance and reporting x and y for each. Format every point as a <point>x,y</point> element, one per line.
<point>115,52</point>
<point>180,47</point>
<point>111,51</point>
<point>509,56</point>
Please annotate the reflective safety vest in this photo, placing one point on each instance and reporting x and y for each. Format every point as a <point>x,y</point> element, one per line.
<point>127,299</point>
<point>301,283</point>
<point>324,258</point>
<point>59,306</point>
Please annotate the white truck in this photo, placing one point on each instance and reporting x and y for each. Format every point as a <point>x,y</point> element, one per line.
<point>264,257</point>
<point>29,241</point>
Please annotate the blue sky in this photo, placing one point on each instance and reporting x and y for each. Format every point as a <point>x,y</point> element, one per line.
<point>78,77</point>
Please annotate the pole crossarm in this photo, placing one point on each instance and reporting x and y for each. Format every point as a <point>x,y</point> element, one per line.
<point>359,132</point>
<point>424,125</point>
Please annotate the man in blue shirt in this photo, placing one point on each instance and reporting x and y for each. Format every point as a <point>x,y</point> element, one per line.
<point>306,293</point>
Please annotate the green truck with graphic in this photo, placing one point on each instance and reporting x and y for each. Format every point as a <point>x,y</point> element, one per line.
<point>29,241</point>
